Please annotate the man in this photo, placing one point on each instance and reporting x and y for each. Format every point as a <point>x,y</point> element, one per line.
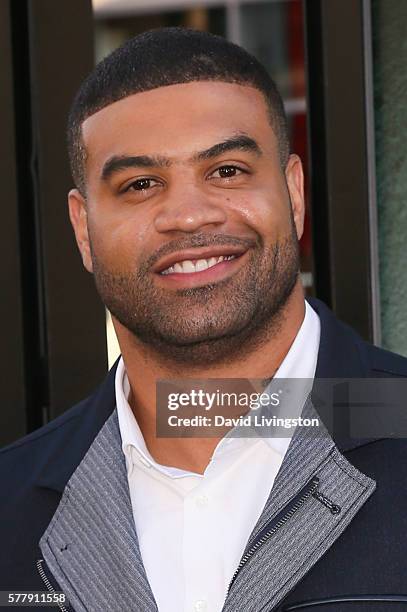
<point>188,209</point>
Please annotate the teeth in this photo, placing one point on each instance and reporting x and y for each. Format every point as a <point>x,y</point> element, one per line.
<point>188,266</point>
<point>201,264</point>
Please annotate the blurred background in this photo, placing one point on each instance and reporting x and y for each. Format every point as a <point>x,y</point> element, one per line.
<point>341,66</point>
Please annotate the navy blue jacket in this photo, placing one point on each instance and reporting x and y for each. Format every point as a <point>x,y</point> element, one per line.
<point>368,560</point>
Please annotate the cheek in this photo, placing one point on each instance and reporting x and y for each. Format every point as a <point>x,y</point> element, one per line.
<point>266,212</point>
<point>119,241</point>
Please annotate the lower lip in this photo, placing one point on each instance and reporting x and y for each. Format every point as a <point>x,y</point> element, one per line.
<point>215,273</point>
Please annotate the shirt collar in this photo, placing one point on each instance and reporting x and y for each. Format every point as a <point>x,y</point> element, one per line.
<point>301,359</point>
<point>300,364</point>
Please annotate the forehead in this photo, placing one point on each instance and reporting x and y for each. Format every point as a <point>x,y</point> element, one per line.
<point>176,120</point>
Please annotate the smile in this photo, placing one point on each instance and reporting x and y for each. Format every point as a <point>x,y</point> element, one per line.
<point>188,272</point>
<point>188,266</point>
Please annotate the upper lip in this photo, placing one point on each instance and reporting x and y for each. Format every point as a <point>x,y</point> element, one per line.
<point>203,253</point>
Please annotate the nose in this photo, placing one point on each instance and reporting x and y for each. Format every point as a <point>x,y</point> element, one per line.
<point>188,210</point>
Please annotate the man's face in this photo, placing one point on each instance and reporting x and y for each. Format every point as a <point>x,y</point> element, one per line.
<point>177,178</point>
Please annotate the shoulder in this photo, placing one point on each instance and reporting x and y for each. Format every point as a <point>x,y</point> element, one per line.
<point>385,362</point>
<point>32,450</point>
<point>348,354</point>
<point>63,441</point>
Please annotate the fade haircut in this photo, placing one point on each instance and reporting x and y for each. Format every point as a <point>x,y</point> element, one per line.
<point>168,56</point>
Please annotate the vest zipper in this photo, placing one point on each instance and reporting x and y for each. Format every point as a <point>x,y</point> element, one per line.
<point>48,584</point>
<point>309,490</point>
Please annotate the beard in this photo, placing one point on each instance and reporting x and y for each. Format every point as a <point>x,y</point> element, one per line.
<point>212,324</point>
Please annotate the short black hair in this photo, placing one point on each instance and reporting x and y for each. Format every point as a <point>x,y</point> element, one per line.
<point>168,56</point>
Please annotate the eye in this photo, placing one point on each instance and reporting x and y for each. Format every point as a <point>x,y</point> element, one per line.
<point>227,172</point>
<point>141,184</point>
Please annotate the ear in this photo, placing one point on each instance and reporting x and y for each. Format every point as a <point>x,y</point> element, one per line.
<point>78,217</point>
<point>295,183</point>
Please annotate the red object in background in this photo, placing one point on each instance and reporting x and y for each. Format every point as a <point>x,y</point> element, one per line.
<point>299,138</point>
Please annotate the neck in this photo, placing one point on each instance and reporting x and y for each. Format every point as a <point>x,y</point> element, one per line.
<point>145,368</point>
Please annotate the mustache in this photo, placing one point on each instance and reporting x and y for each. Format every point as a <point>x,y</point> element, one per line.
<point>199,241</point>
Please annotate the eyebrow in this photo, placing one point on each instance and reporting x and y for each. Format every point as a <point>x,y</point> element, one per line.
<point>116,163</point>
<point>121,162</point>
<point>240,142</point>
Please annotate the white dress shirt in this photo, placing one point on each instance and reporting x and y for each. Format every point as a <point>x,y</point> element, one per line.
<point>193,528</point>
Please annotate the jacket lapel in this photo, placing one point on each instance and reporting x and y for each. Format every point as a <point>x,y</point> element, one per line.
<point>91,544</point>
<point>310,529</point>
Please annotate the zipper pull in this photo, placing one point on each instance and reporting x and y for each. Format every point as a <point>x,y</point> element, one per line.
<point>277,522</point>
<point>308,491</point>
<point>334,508</point>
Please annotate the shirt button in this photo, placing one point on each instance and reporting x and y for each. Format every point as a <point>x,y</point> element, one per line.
<point>202,501</point>
<point>200,605</point>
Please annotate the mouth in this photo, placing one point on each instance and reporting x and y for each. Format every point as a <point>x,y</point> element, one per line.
<point>188,266</point>
<point>200,268</point>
